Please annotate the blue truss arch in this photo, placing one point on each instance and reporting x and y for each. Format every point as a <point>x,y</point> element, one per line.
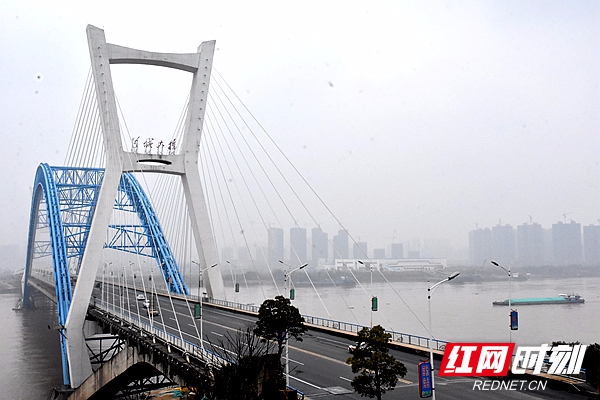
<point>146,239</point>
<point>44,188</point>
<point>70,196</point>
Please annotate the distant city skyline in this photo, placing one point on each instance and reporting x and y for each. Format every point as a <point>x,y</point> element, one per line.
<point>526,244</point>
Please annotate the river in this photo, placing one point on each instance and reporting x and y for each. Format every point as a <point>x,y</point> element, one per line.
<point>460,312</point>
<point>29,351</point>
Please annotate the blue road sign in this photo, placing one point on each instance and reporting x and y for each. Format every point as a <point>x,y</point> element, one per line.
<point>425,384</point>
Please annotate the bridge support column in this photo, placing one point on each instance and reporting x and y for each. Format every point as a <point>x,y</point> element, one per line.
<point>118,161</point>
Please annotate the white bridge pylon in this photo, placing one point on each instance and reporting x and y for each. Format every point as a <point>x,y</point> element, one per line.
<point>118,161</point>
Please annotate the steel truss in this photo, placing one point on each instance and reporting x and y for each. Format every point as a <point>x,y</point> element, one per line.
<point>70,197</point>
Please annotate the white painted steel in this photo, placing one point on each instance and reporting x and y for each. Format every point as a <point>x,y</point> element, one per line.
<point>118,161</point>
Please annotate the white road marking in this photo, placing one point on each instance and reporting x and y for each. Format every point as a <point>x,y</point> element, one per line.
<point>306,383</point>
<point>332,340</point>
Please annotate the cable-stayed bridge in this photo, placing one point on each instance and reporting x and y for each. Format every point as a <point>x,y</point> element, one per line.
<point>129,237</point>
<point>120,234</point>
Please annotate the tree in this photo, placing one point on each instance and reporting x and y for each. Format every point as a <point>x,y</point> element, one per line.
<point>277,320</point>
<point>377,370</point>
<point>251,371</point>
<point>591,362</point>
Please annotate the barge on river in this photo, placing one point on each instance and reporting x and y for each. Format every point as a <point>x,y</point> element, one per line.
<point>561,299</point>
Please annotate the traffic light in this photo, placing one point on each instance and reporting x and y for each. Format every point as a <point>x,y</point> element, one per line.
<point>374,303</point>
<point>292,294</point>
<point>237,287</point>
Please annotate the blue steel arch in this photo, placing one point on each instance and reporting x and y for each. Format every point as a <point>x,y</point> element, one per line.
<point>70,195</point>
<point>45,185</point>
<point>151,235</point>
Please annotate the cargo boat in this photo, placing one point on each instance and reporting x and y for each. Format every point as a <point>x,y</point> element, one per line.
<point>561,299</point>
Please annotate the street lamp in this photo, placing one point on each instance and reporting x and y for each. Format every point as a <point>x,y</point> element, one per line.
<point>429,293</point>
<point>370,269</point>
<point>201,273</point>
<point>288,275</point>
<point>287,349</point>
<point>509,295</point>
<point>234,275</point>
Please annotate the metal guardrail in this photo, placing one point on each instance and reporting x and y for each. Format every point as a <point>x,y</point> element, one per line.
<point>398,337</point>
<point>170,340</point>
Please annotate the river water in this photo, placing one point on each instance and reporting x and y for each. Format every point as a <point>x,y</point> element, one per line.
<point>459,311</point>
<point>29,351</point>
<point>30,356</point>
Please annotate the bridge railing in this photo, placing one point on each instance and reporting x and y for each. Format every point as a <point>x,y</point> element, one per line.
<point>187,348</point>
<point>398,337</point>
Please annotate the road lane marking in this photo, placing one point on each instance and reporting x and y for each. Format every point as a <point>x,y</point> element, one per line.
<point>331,340</point>
<point>292,347</point>
<point>232,316</point>
<point>218,334</point>
<point>346,379</point>
<point>306,383</point>
<point>310,353</point>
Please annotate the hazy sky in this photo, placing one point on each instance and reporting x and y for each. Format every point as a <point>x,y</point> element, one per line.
<point>427,118</point>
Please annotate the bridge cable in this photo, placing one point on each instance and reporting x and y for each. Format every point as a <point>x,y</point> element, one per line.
<point>316,195</point>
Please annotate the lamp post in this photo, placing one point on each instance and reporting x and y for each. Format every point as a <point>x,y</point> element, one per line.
<point>370,269</point>
<point>509,295</point>
<point>105,300</point>
<point>234,275</point>
<point>201,274</point>
<point>429,293</point>
<point>287,349</point>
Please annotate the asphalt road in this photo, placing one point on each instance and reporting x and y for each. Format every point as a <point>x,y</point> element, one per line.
<point>317,364</point>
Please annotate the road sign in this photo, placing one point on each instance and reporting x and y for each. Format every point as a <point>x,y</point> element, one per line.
<point>514,320</point>
<point>425,389</point>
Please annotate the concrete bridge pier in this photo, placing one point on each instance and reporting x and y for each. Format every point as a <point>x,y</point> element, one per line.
<point>142,364</point>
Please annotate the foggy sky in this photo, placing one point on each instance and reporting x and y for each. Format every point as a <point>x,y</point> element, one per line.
<point>428,118</point>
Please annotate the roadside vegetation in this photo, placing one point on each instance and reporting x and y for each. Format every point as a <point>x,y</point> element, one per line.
<point>254,369</point>
<point>377,371</point>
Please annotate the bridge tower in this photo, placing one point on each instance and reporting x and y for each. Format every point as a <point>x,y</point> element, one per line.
<point>118,161</point>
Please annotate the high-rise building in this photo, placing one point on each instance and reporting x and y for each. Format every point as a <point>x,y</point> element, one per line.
<point>320,246</point>
<point>530,245</point>
<point>397,250</point>
<point>480,245</point>
<point>591,244</point>
<point>566,243</point>
<point>275,246</point>
<point>504,244</point>
<point>359,250</point>
<point>298,246</point>
<point>340,244</point>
